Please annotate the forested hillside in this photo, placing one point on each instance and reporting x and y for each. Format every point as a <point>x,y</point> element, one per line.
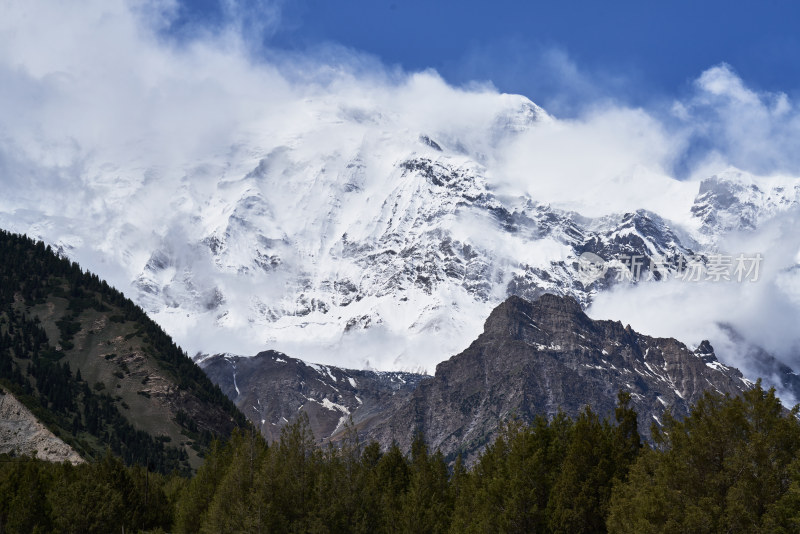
<point>732,466</point>
<point>96,370</point>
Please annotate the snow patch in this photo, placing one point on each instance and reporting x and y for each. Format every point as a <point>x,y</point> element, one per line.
<point>717,366</point>
<point>327,403</point>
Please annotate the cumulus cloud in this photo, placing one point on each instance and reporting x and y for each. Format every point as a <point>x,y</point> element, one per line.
<point>739,126</point>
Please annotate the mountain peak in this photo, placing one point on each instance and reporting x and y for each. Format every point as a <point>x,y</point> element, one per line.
<point>705,348</point>
<point>545,357</point>
<point>546,304</point>
<point>549,312</point>
<point>540,357</point>
<point>550,302</point>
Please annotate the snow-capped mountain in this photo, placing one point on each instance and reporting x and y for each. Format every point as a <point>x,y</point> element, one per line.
<point>737,201</point>
<point>355,240</point>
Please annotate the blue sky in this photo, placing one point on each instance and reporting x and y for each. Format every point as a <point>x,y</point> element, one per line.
<point>560,54</point>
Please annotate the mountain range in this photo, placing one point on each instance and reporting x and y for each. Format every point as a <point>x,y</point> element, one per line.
<point>378,250</point>
<point>82,367</point>
<point>533,358</point>
<point>356,241</point>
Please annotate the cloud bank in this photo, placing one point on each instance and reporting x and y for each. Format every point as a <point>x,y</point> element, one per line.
<point>103,85</point>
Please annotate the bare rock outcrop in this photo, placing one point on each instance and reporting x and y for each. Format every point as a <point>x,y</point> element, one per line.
<point>21,433</point>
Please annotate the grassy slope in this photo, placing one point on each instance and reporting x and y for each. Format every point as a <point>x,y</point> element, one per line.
<point>117,348</point>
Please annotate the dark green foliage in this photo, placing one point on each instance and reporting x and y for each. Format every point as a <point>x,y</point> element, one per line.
<point>36,496</point>
<point>730,466</point>
<point>38,374</point>
<point>294,486</point>
<point>579,497</point>
<point>24,505</point>
<point>68,329</point>
<point>597,457</point>
<point>428,502</point>
<point>199,493</point>
<point>523,483</point>
<point>550,476</point>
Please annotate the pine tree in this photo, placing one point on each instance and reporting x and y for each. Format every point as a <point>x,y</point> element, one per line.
<point>28,509</point>
<point>195,500</point>
<point>393,476</point>
<point>579,499</point>
<point>233,507</point>
<point>427,504</point>
<point>727,467</point>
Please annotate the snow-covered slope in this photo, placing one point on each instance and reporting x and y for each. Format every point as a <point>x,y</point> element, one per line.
<point>354,239</point>
<point>734,201</point>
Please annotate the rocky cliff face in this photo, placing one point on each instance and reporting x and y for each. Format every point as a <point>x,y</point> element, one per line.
<point>22,434</point>
<point>544,357</point>
<point>270,388</point>
<point>733,200</point>
<point>541,357</point>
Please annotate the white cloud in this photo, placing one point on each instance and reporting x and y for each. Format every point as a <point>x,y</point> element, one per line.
<point>721,81</point>
<point>748,129</point>
<point>611,160</point>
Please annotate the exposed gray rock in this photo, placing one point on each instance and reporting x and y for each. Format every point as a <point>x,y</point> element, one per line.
<point>533,358</point>
<point>270,388</point>
<point>22,434</point>
<point>545,357</point>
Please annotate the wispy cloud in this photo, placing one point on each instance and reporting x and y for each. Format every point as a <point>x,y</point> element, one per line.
<point>738,126</point>
<point>546,73</point>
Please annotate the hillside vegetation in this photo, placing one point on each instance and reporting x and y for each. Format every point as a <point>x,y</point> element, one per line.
<point>730,467</point>
<point>96,370</point>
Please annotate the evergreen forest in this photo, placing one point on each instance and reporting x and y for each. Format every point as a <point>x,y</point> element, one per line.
<point>732,465</point>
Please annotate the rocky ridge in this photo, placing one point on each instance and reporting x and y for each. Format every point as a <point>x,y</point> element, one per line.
<point>547,357</point>
<point>270,388</point>
<point>533,358</point>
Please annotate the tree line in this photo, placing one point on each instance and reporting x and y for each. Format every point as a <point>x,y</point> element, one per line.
<point>732,465</point>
